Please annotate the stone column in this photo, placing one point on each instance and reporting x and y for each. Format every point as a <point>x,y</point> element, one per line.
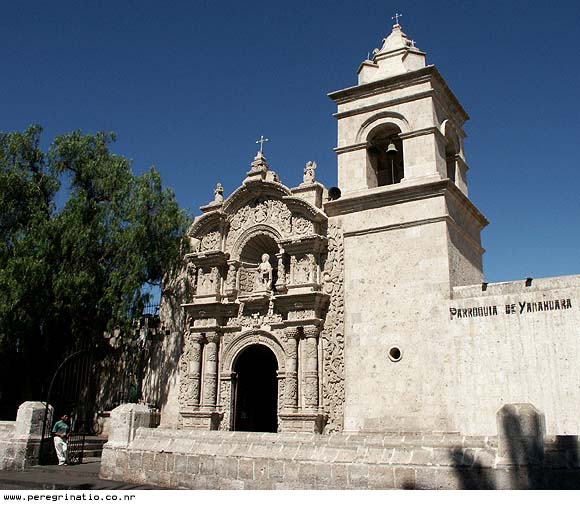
<point>311,367</point>
<point>194,369</point>
<point>291,386</point>
<point>210,377</point>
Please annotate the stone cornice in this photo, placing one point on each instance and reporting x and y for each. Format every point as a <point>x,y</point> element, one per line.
<point>254,188</point>
<point>419,133</point>
<point>208,258</point>
<point>300,301</point>
<point>392,196</point>
<point>422,75</point>
<point>297,203</point>
<point>385,104</point>
<point>348,149</point>
<point>205,221</point>
<point>403,136</point>
<point>381,86</point>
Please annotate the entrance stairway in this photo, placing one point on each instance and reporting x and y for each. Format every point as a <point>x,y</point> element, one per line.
<point>93,447</point>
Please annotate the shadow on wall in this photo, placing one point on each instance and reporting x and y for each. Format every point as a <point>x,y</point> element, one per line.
<point>525,458</point>
<point>164,357</point>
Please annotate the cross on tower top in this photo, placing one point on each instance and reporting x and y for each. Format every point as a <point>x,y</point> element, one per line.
<point>261,141</point>
<point>396,18</point>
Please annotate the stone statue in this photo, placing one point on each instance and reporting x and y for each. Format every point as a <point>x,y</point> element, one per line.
<point>264,274</point>
<point>219,193</point>
<point>310,172</point>
<point>231,278</point>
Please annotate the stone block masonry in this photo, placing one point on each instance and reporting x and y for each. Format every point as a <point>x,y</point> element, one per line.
<point>190,459</point>
<point>20,440</point>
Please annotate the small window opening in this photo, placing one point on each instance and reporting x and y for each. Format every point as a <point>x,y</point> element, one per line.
<point>395,353</point>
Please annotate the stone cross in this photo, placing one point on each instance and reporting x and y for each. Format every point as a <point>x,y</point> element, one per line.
<point>396,18</point>
<point>261,141</point>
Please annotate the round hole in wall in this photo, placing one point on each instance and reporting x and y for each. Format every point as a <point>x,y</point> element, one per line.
<point>395,353</point>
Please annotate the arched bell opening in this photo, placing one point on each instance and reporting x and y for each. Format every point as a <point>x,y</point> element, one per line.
<point>259,266</point>
<point>451,153</point>
<point>255,390</point>
<point>385,156</point>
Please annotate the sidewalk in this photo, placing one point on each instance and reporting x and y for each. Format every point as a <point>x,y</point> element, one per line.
<point>85,476</point>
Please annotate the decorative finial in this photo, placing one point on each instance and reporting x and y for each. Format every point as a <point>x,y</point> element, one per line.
<point>396,18</point>
<point>261,141</point>
<point>219,193</point>
<point>310,172</point>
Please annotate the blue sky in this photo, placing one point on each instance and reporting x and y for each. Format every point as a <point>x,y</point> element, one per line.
<point>189,87</point>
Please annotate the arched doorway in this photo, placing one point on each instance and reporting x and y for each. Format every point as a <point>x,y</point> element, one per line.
<point>256,390</point>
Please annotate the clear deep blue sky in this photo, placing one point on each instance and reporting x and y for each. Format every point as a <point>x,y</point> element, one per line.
<point>188,86</point>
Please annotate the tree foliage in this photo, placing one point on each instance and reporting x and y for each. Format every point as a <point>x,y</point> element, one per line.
<point>80,237</point>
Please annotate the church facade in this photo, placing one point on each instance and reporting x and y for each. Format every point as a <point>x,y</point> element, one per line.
<point>363,310</point>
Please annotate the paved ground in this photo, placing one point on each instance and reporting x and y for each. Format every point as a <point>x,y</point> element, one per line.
<point>85,476</point>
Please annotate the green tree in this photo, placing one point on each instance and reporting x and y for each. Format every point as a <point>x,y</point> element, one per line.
<point>68,274</point>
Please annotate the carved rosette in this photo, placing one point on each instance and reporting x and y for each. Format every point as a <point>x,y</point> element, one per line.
<point>302,226</point>
<point>210,376</point>
<point>291,387</point>
<point>333,333</point>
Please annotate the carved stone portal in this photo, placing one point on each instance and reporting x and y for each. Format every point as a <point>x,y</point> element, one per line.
<point>265,273</point>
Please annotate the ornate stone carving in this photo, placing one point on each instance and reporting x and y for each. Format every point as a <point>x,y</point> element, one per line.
<point>311,366</point>
<point>302,226</point>
<point>311,392</point>
<point>210,374</point>
<point>261,212</point>
<point>206,281</point>
<point>291,336</point>
<point>303,269</point>
<point>210,242</point>
<point>190,367</point>
<point>247,278</point>
<point>210,390</point>
<point>192,275</point>
<point>255,320</point>
<point>333,333</point>
<point>231,278</point>
<point>273,212</point>
<point>281,281</point>
<point>217,276</point>
<point>225,402</point>
<point>281,394</point>
<point>211,353</point>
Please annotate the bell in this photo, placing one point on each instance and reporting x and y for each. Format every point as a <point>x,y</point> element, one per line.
<point>391,150</point>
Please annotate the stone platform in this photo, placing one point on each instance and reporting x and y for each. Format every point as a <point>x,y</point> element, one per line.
<point>190,459</point>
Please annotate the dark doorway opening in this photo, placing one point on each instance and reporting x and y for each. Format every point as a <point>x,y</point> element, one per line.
<point>256,393</point>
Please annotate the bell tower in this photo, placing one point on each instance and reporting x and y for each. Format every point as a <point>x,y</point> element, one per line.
<point>411,235</point>
<point>403,103</point>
